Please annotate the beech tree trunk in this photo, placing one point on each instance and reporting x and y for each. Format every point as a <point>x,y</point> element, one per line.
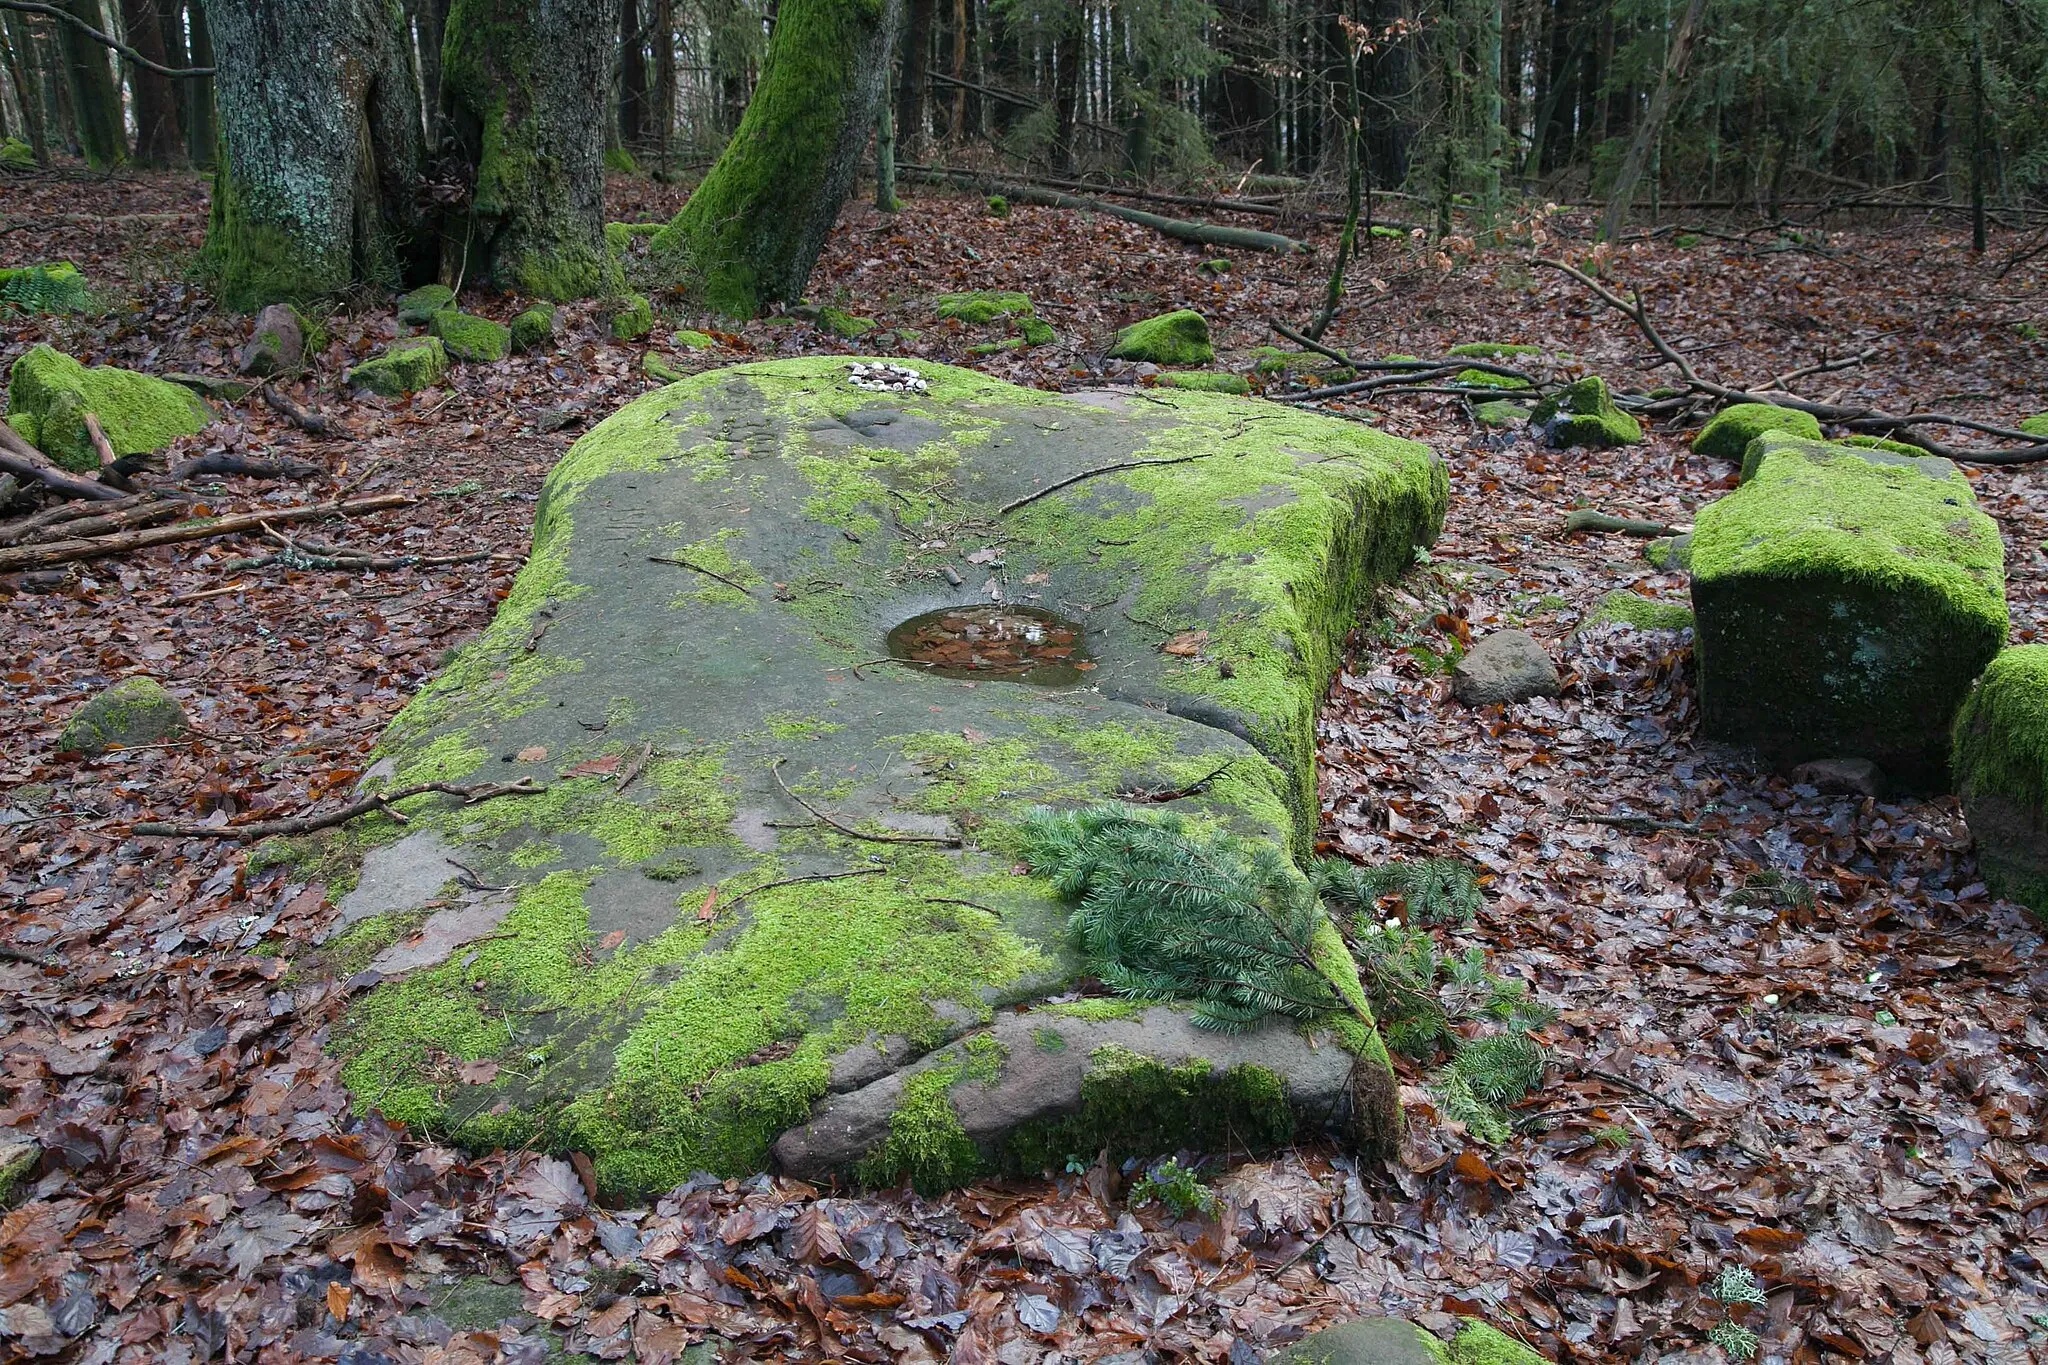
<point>156,104</point>
<point>202,133</point>
<point>910,86</point>
<point>320,150</point>
<point>632,77</point>
<point>523,83</point>
<point>95,97</point>
<point>1652,123</point>
<point>24,70</point>
<point>751,233</point>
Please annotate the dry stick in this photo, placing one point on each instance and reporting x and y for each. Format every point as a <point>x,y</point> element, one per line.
<point>1176,793</point>
<point>1615,1078</point>
<point>698,568</point>
<point>100,441</point>
<point>205,528</point>
<point>734,903</point>
<point>93,518</point>
<point>253,466</point>
<point>312,423</point>
<point>307,824</point>
<point>634,769</point>
<point>943,840</point>
<point>23,460</point>
<point>1865,420</point>
<point>1073,479</point>
<point>1585,519</point>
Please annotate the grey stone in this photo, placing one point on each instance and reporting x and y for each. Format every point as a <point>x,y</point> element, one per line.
<point>1842,776</point>
<point>1366,1341</point>
<point>278,344</point>
<point>133,712</point>
<point>1506,666</point>
<point>400,877</point>
<point>18,1158</point>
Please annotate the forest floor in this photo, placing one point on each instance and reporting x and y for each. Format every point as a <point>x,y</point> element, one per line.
<point>1849,1095</point>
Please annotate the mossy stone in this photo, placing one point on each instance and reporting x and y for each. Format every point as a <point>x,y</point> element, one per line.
<point>1492,350</point>
<point>132,712</point>
<point>666,1025</point>
<point>470,338</point>
<point>2000,759</point>
<point>16,155</point>
<point>1364,1341</point>
<point>695,341</point>
<point>19,1158</point>
<point>2037,425</point>
<point>1036,331</point>
<point>983,306</point>
<point>418,307</point>
<point>1177,338</point>
<point>656,366</point>
<point>1845,601</point>
<point>407,366</point>
<point>1499,413</point>
<point>534,330</point>
<point>1633,609</point>
<point>1583,414</point>
<point>988,348</point>
<point>634,319</point>
<point>1731,430</point>
<point>1205,381</point>
<point>843,324</point>
<point>998,206</point>
<point>137,412</point>
<point>1669,553</point>
<point>1270,360</point>
<point>1487,379</point>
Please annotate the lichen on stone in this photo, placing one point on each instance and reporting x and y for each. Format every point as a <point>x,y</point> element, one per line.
<point>134,711</point>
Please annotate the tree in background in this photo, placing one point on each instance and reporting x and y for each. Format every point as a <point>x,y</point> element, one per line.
<point>753,229</point>
<point>156,105</point>
<point>95,95</point>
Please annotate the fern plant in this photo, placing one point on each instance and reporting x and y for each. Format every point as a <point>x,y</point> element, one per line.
<point>46,289</point>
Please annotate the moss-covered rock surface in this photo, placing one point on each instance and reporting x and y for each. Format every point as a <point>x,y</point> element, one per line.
<point>1177,338</point>
<point>1583,414</point>
<point>1845,601</point>
<point>533,329</point>
<point>812,879</point>
<point>469,337</point>
<point>419,305</point>
<point>1396,1341</point>
<point>52,394</point>
<point>406,366</point>
<point>133,711</point>
<point>2001,772</point>
<point>1731,429</point>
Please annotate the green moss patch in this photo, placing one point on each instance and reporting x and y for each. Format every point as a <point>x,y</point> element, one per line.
<point>983,306</point>
<point>419,306</point>
<point>470,338</point>
<point>133,711</point>
<point>1499,413</point>
<point>1845,601</point>
<point>2000,759</point>
<point>1644,613</point>
<point>137,412</point>
<point>634,318</point>
<point>1731,430</point>
<point>405,367</point>
<point>1206,381</point>
<point>1177,338</point>
<point>1583,414</point>
<point>533,330</point>
<point>1492,350</point>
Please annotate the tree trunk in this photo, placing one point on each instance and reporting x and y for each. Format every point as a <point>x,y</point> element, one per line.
<point>156,104</point>
<point>202,135</point>
<point>910,88</point>
<point>25,71</point>
<point>95,97</point>
<point>632,77</point>
<point>1979,143</point>
<point>1652,121</point>
<point>1066,87</point>
<point>956,126</point>
<point>320,150</point>
<point>664,104</point>
<point>885,157</point>
<point>520,80</point>
<point>430,29</point>
<point>752,231</point>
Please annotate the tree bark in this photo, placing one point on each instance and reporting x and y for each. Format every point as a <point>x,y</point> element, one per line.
<point>25,71</point>
<point>663,107</point>
<point>95,97</point>
<point>520,80</point>
<point>751,233</point>
<point>156,104</point>
<point>911,85</point>
<point>632,77</point>
<point>202,131</point>
<point>1652,122</point>
<point>320,151</point>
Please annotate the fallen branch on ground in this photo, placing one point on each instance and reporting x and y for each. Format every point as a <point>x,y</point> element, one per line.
<point>1388,374</point>
<point>205,528</point>
<point>1181,229</point>
<point>1858,418</point>
<point>19,458</point>
<point>307,824</point>
<point>251,466</point>
<point>306,420</point>
<point>314,555</point>
<point>1585,519</point>
<point>75,519</point>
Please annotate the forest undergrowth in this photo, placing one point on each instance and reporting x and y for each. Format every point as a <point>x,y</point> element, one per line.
<point>1794,1033</point>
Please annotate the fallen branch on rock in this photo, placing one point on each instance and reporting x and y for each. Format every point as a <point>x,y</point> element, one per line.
<point>840,827</point>
<point>205,528</point>
<point>1072,479</point>
<point>1585,519</point>
<point>307,824</point>
<point>19,458</point>
<point>1858,418</point>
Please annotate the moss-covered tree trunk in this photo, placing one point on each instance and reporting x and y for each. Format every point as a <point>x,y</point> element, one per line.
<point>752,231</point>
<point>320,148</point>
<point>95,98</point>
<point>524,86</point>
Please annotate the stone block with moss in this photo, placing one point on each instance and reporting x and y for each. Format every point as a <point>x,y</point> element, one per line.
<point>136,412</point>
<point>534,330</point>
<point>2000,759</point>
<point>1396,1341</point>
<point>1036,331</point>
<point>1205,381</point>
<point>695,341</point>
<point>1583,414</point>
<point>1845,600</point>
<point>1499,413</point>
<point>1492,350</point>
<point>16,155</point>
<point>470,338</point>
<point>843,324</point>
<point>682,971</point>
<point>419,306</point>
<point>983,306</point>
<point>1177,338</point>
<point>1623,607</point>
<point>407,366</point>
<point>2037,425</point>
<point>634,318</point>
<point>1669,553</point>
<point>133,711</point>
<point>1731,429</point>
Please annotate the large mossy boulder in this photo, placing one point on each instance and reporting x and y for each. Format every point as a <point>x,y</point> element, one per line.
<point>407,366</point>
<point>52,394</point>
<point>1583,414</point>
<point>813,881</point>
<point>1177,338</point>
<point>1845,599</point>
<point>1730,431</point>
<point>419,306</point>
<point>2001,771</point>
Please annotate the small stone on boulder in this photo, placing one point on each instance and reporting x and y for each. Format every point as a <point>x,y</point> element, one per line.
<point>278,345</point>
<point>1583,414</point>
<point>406,367</point>
<point>1734,427</point>
<point>1841,776</point>
<point>132,712</point>
<point>1177,338</point>
<point>2001,772</point>
<point>470,338</point>
<point>1506,666</point>
<point>419,307</point>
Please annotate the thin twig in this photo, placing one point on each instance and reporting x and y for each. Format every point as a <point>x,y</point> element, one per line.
<point>637,766</point>
<point>736,901</point>
<point>1073,479</point>
<point>1176,793</point>
<point>306,824</point>
<point>698,568</point>
<point>943,840</point>
<point>106,40</point>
